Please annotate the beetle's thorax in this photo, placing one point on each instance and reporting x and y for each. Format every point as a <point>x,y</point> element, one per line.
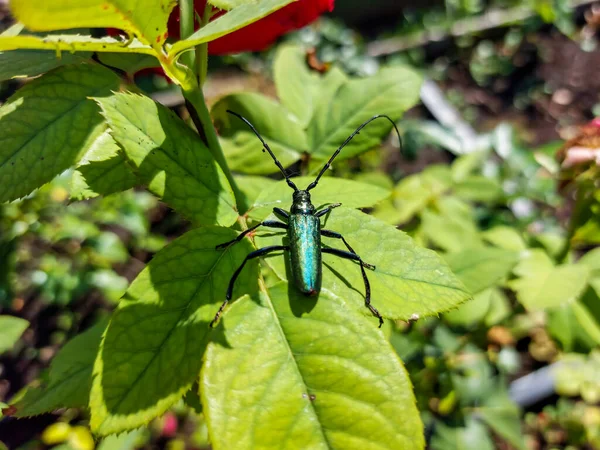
<point>301,203</point>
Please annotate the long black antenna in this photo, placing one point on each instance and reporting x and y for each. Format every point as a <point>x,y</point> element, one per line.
<point>266,147</point>
<point>357,131</point>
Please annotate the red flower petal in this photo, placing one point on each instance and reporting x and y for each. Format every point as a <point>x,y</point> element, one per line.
<point>262,33</point>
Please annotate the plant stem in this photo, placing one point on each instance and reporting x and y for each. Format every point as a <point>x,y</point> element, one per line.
<point>202,49</point>
<point>194,97</point>
<point>186,28</point>
<point>196,105</point>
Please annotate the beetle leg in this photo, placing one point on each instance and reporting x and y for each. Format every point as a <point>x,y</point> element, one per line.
<point>252,255</point>
<point>335,235</point>
<point>326,210</point>
<point>282,214</point>
<point>266,223</point>
<point>355,257</point>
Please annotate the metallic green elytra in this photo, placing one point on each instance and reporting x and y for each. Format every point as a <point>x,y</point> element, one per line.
<point>304,232</point>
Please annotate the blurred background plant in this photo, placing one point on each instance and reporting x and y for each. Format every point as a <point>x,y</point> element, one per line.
<point>490,174</point>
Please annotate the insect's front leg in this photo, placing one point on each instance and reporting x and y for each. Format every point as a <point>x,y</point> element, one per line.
<point>252,255</point>
<point>335,235</point>
<point>354,257</point>
<point>282,214</point>
<point>266,223</point>
<point>328,209</point>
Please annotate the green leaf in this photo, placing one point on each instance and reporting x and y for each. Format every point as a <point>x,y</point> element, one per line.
<point>392,91</point>
<point>170,158</point>
<point>47,124</point>
<point>411,196</point>
<point>408,280</point>
<point>505,237</point>
<point>124,441</point>
<point>452,226</point>
<point>298,87</point>
<point>235,19</point>
<point>592,260</point>
<point>563,325</point>
<point>588,322</point>
<point>473,436</point>
<point>351,194</point>
<point>128,62</point>
<point>229,4</point>
<point>192,399</point>
<point>542,285</point>
<point>70,376</point>
<point>152,350</point>
<point>481,268</point>
<point>11,329</point>
<point>30,63</point>
<point>103,170</point>
<point>252,186</point>
<point>243,149</point>
<point>73,43</point>
<point>465,165</point>
<point>473,312</point>
<point>331,82</point>
<point>267,373</point>
<point>148,24</point>
<point>503,416</point>
<point>500,308</point>
<point>478,188</point>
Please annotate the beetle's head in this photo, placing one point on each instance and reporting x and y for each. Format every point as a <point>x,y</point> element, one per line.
<point>301,203</point>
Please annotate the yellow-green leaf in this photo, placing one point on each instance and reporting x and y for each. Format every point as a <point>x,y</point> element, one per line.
<point>408,280</point>
<point>145,20</point>
<point>59,43</point>
<point>392,91</point>
<point>70,377</point>
<point>276,125</point>
<point>352,194</point>
<point>172,159</point>
<point>103,170</point>
<point>30,63</point>
<point>235,19</point>
<point>291,372</point>
<point>480,268</point>
<point>152,350</point>
<point>298,87</point>
<point>47,125</point>
<point>11,329</point>
<point>542,285</point>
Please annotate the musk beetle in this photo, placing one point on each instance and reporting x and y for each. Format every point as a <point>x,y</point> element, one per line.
<point>304,232</point>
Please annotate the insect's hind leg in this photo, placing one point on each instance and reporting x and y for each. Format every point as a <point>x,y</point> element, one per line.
<point>355,257</point>
<point>266,223</point>
<point>335,235</point>
<point>252,255</point>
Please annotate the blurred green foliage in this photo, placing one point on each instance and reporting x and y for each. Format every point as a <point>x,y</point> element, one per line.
<point>61,252</point>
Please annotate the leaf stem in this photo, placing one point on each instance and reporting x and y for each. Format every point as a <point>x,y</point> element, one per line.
<point>202,49</point>
<point>197,63</point>
<point>186,29</point>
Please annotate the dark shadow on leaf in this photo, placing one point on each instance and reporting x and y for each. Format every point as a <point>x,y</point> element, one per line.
<point>343,279</point>
<point>181,170</point>
<point>156,339</point>
<point>301,304</point>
